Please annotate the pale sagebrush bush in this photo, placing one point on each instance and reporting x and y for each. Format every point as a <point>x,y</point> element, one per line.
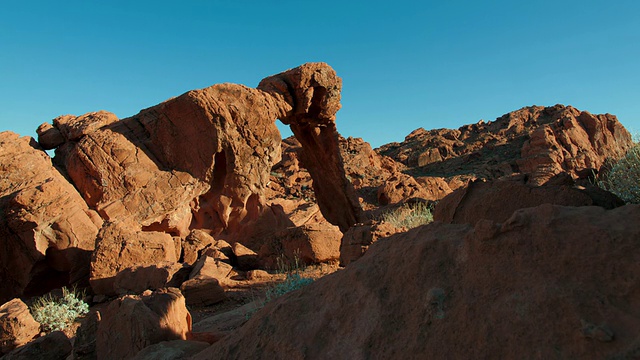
<point>57,313</point>
<point>409,216</point>
<point>623,179</point>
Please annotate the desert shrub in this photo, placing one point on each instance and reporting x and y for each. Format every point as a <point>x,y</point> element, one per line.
<point>409,215</point>
<point>292,282</point>
<point>57,313</point>
<point>623,177</point>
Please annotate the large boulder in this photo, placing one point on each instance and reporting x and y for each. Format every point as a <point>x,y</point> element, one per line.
<point>121,249</point>
<point>47,232</point>
<point>17,326</point>
<point>131,323</point>
<point>496,200</point>
<point>550,282</point>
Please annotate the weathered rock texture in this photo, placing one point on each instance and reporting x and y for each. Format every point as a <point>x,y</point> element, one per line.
<point>314,94</point>
<point>539,141</point>
<point>131,323</point>
<point>47,232</point>
<point>119,248</point>
<point>497,200</point>
<point>550,282</point>
<point>17,326</point>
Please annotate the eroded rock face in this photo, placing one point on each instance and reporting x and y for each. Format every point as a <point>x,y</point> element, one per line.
<point>539,283</point>
<point>497,200</point>
<point>131,323</point>
<point>120,248</point>
<point>202,160</point>
<point>315,99</point>
<point>47,232</point>
<point>538,141</point>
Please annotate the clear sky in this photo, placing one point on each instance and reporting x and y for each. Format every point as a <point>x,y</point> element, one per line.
<point>404,64</point>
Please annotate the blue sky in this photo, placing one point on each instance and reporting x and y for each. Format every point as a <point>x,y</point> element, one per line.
<point>404,64</point>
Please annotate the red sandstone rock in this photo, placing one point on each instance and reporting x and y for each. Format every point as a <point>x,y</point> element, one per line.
<point>400,187</point>
<point>53,346</point>
<point>196,241</point>
<point>247,259</point>
<point>119,248</point>
<point>131,323</point>
<point>540,283</point>
<point>497,200</point>
<point>202,291</point>
<point>212,267</point>
<point>137,279</point>
<point>171,350</point>
<point>45,226</point>
<point>17,326</point>
<point>315,99</point>
<point>357,240</point>
<point>538,141</point>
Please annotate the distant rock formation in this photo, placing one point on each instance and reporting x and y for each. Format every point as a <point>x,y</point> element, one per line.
<point>538,141</point>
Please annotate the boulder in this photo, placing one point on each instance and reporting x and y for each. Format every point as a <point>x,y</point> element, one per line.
<point>47,232</point>
<point>547,282</point>
<point>136,279</point>
<point>131,323</point>
<point>17,326</point>
<point>497,200</point>
<point>171,350</point>
<point>202,291</point>
<point>211,267</point>
<point>118,247</point>
<point>53,346</point>
<point>357,240</point>
<point>196,241</point>
<point>247,259</point>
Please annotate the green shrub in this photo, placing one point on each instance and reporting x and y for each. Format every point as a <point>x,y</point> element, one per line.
<point>409,216</point>
<point>57,313</point>
<point>623,179</point>
<point>292,282</point>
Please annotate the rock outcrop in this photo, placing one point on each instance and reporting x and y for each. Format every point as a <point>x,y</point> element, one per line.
<point>496,200</point>
<point>539,141</point>
<point>47,232</point>
<point>551,281</point>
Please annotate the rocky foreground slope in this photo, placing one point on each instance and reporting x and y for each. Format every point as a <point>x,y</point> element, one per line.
<point>551,282</point>
<point>189,201</point>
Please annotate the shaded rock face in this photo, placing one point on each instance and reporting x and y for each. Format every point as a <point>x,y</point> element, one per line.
<point>539,141</point>
<point>315,101</point>
<point>119,248</point>
<point>53,346</point>
<point>47,231</point>
<point>497,200</point>
<point>545,282</point>
<point>131,323</point>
